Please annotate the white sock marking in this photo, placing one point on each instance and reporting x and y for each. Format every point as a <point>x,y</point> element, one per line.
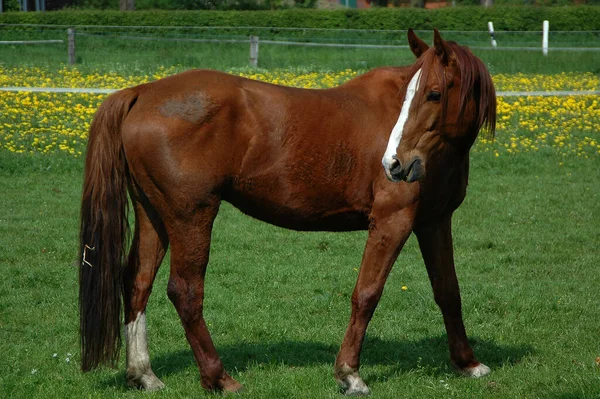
<point>477,371</point>
<point>136,341</point>
<point>139,373</point>
<point>355,386</point>
<point>350,381</point>
<point>398,129</point>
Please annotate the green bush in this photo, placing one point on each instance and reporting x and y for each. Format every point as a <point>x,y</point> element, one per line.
<point>505,18</point>
<point>10,5</point>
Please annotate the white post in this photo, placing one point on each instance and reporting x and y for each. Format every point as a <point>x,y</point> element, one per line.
<point>254,51</point>
<point>491,30</point>
<point>546,28</point>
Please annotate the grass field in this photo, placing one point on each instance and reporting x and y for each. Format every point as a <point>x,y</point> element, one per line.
<point>106,50</point>
<point>278,301</point>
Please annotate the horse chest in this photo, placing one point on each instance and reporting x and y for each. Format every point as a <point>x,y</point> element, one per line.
<point>443,197</point>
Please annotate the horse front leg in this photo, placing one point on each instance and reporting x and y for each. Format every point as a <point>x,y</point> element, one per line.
<point>435,241</point>
<point>387,235</point>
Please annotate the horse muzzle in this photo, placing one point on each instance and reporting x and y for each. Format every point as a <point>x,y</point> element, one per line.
<point>412,172</point>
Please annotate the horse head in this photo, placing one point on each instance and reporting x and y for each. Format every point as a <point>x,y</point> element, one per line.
<point>448,97</point>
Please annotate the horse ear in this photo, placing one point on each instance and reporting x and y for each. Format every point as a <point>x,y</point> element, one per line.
<point>417,46</point>
<point>441,47</point>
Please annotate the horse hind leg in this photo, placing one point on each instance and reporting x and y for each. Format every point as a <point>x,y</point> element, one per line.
<point>190,244</point>
<point>147,251</point>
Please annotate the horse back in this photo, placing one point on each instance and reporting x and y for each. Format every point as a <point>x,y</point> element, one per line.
<point>302,159</point>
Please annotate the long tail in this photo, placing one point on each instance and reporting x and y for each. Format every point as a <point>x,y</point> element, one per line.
<point>103,234</point>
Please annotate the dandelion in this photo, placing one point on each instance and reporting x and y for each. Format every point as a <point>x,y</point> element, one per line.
<point>49,123</point>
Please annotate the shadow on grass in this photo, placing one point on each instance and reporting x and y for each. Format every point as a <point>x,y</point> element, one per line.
<point>404,355</point>
<point>428,355</point>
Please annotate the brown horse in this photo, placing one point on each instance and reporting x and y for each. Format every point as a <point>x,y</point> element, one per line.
<point>301,159</point>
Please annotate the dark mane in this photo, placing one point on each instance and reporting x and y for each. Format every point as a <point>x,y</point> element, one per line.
<point>476,84</point>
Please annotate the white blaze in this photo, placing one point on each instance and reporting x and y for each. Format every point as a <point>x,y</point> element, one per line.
<point>398,129</point>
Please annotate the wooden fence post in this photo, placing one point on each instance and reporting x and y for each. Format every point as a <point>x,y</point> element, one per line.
<point>254,51</point>
<point>71,45</point>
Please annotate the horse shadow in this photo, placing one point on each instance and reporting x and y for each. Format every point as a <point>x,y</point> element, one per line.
<point>402,355</point>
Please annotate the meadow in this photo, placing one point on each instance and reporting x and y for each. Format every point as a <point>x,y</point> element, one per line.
<point>278,301</point>
<point>140,51</point>
<point>42,123</point>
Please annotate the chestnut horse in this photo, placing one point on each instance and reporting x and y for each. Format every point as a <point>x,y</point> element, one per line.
<point>296,158</point>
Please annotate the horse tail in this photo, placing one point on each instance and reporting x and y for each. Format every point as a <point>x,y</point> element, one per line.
<point>103,234</point>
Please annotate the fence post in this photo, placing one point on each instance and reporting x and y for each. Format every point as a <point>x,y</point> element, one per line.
<point>254,51</point>
<point>71,45</point>
<point>491,30</point>
<point>545,29</point>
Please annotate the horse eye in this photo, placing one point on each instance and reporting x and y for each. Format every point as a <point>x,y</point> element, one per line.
<point>434,96</point>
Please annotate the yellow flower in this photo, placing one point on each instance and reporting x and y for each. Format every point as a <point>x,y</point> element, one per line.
<point>59,122</point>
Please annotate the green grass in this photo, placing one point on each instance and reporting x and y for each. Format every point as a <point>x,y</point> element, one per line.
<point>142,56</point>
<point>526,243</point>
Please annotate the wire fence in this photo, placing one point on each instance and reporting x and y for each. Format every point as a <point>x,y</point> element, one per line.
<point>524,40</point>
<point>226,46</point>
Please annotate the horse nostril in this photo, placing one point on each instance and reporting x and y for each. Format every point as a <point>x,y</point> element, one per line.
<point>395,167</point>
<point>415,171</point>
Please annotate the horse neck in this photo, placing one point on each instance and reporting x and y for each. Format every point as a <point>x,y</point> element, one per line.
<point>380,79</point>
<point>444,188</point>
<point>449,166</point>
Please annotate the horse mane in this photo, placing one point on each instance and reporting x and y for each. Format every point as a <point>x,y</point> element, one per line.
<point>476,83</point>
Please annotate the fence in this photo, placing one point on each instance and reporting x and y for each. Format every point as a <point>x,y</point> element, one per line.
<point>31,41</point>
<point>584,41</point>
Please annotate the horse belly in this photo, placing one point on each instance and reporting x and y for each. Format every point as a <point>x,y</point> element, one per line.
<point>296,209</point>
<point>312,186</point>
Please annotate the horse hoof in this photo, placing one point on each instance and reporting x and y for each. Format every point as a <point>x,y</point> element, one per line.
<point>475,372</point>
<point>350,382</point>
<point>147,382</point>
<point>355,387</point>
<point>232,386</point>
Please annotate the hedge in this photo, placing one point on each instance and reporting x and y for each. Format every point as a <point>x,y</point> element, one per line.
<point>505,18</point>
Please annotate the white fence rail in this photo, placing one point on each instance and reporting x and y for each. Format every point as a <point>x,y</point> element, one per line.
<point>270,28</point>
<point>104,31</point>
<point>31,41</point>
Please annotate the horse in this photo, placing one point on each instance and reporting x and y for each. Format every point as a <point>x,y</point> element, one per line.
<point>303,159</point>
